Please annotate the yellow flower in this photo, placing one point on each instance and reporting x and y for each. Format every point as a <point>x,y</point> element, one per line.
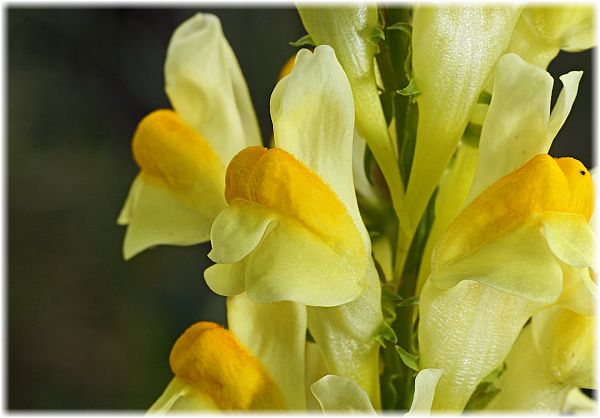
<point>182,154</point>
<point>213,371</point>
<point>292,232</point>
<point>499,262</point>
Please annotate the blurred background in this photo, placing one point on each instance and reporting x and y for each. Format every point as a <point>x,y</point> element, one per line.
<point>87,330</point>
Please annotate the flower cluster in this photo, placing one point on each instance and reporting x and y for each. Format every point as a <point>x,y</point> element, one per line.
<point>407,243</point>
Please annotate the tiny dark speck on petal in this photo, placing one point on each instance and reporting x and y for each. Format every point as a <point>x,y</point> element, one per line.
<point>582,172</point>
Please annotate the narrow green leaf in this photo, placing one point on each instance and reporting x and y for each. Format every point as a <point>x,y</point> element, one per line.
<point>306,40</point>
<point>410,360</point>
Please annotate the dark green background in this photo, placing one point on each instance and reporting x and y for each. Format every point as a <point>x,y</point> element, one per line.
<point>87,330</point>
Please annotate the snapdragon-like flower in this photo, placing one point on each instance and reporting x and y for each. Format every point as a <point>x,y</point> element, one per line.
<point>268,243</point>
<point>214,371</point>
<point>182,153</point>
<point>499,262</point>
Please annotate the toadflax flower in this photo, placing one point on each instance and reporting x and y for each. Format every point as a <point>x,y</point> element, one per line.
<point>213,371</point>
<point>268,243</point>
<point>182,153</point>
<point>499,262</point>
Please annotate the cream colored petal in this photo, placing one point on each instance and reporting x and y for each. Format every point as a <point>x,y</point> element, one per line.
<point>565,341</point>
<point>565,101</point>
<point>525,385</point>
<point>179,396</point>
<point>275,333</point>
<point>578,403</point>
<point>338,394</point>
<point>454,51</point>
<point>313,119</point>
<point>452,193</point>
<point>315,370</point>
<point>238,230</point>
<point>579,291</point>
<point>477,325</point>
<point>570,238</point>
<point>347,30</point>
<point>425,384</point>
<point>155,215</point>
<point>519,125</point>
<point>206,86</point>
<point>226,279</point>
<point>346,337</point>
<point>505,264</point>
<point>571,27</point>
<point>303,269</point>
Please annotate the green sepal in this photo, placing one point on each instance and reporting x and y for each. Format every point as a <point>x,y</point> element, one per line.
<point>377,35</point>
<point>305,40</point>
<point>486,390</point>
<point>472,135</point>
<point>368,162</point>
<point>484,97</point>
<point>494,374</point>
<point>412,301</point>
<point>410,360</point>
<point>401,26</point>
<point>385,333</point>
<point>484,393</point>
<point>309,337</point>
<point>410,90</point>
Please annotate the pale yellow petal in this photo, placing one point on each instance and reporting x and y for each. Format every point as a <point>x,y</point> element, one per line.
<point>275,333</point>
<point>526,385</point>
<point>238,230</point>
<point>315,370</point>
<point>338,394</point>
<point>346,337</point>
<point>570,238</point>
<point>207,88</point>
<point>518,262</point>
<point>565,341</point>
<point>425,384</point>
<point>518,125</point>
<point>180,397</point>
<point>580,292</point>
<point>313,120</point>
<point>158,216</point>
<point>454,51</point>
<point>452,194</point>
<point>477,325</point>
<point>226,279</point>
<point>578,403</point>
